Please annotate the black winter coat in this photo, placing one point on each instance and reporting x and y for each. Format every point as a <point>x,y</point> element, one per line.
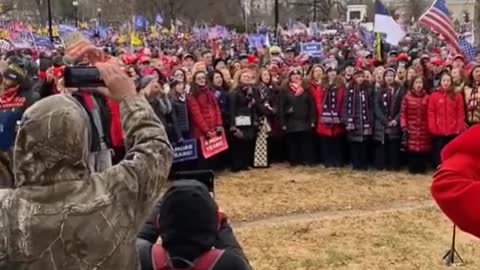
<point>297,113</point>
<point>386,110</point>
<point>360,116</point>
<point>239,101</point>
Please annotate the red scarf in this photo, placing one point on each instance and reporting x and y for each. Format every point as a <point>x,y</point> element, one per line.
<point>10,99</point>
<point>296,88</point>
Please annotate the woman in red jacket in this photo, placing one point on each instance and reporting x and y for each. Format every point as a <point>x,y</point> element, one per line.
<point>329,126</point>
<point>455,186</point>
<point>414,124</point>
<point>316,77</point>
<point>205,113</point>
<point>446,116</point>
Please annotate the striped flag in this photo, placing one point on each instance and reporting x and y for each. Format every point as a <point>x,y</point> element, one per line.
<point>468,49</point>
<point>437,19</point>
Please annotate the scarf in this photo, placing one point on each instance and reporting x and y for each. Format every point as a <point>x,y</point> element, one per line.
<point>9,99</point>
<point>264,91</point>
<point>388,101</point>
<point>331,110</point>
<point>296,88</point>
<point>358,97</point>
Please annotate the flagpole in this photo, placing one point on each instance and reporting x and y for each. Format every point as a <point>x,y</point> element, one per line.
<point>50,29</point>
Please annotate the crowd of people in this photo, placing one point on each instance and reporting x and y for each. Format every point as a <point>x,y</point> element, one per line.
<point>82,168</point>
<point>273,105</point>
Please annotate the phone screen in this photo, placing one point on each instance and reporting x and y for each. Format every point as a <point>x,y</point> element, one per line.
<point>83,77</point>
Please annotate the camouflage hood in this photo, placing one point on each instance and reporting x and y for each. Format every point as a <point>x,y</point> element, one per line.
<point>52,143</point>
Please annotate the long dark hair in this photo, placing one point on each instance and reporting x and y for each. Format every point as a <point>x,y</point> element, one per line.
<point>212,76</point>
<point>194,88</point>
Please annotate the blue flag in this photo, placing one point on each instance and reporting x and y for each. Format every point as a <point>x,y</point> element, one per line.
<point>141,23</point>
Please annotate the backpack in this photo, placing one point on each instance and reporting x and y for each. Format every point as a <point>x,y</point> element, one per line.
<point>162,261</point>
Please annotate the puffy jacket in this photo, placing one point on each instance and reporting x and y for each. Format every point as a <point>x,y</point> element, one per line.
<point>319,95</point>
<point>446,114</point>
<point>414,119</point>
<point>455,185</point>
<point>205,113</point>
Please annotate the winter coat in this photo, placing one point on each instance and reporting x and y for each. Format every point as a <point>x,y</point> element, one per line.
<point>455,185</point>
<point>446,114</point>
<point>204,112</point>
<point>60,215</point>
<point>326,126</point>
<point>225,238</point>
<point>180,113</point>
<point>386,111</point>
<point>223,102</point>
<point>414,120</point>
<point>272,95</point>
<point>240,109</point>
<point>100,118</point>
<point>297,113</point>
<point>13,103</point>
<point>358,116</point>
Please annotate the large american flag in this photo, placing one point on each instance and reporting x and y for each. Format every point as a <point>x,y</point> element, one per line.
<point>436,18</point>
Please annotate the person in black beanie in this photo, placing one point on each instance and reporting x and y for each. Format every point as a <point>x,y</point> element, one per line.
<point>190,225</point>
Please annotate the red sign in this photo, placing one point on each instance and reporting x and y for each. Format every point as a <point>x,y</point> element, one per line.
<point>214,146</point>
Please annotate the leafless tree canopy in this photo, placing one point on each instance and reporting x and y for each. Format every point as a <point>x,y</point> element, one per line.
<point>114,11</point>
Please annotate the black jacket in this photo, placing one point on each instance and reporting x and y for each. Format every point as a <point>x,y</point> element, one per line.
<point>173,227</point>
<point>297,113</point>
<point>239,100</point>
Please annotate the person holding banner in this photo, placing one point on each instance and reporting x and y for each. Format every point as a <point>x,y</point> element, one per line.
<point>185,148</point>
<point>206,117</point>
<point>243,119</point>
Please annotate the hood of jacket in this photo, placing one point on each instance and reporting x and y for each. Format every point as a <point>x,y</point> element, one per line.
<point>52,143</point>
<point>188,220</point>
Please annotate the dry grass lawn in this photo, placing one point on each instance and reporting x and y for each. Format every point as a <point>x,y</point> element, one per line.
<point>401,240</point>
<point>355,222</point>
<point>282,190</point>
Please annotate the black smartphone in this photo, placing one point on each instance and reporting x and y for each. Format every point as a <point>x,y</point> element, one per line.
<point>82,77</point>
<point>207,177</point>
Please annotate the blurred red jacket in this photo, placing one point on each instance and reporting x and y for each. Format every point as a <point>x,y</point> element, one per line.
<point>456,185</point>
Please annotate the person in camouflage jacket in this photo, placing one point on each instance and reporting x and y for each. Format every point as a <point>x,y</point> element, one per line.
<point>60,216</point>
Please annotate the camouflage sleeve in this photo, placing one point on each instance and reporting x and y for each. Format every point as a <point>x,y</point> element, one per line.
<point>137,180</point>
<point>6,174</point>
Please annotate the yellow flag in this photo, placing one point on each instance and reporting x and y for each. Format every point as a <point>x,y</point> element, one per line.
<point>135,40</point>
<point>4,34</point>
<point>84,25</point>
<point>122,39</point>
<point>153,32</point>
<point>56,32</point>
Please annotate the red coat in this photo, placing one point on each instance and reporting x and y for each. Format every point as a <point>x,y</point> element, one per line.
<point>456,185</point>
<point>204,112</point>
<point>327,129</point>
<point>446,115</point>
<point>414,119</point>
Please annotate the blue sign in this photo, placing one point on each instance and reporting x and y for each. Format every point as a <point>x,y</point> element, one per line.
<point>312,49</point>
<point>185,151</point>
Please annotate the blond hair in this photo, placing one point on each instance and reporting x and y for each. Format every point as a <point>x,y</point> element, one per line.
<point>237,76</point>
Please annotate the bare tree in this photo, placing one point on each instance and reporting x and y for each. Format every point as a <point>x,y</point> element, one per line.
<point>318,9</point>
<point>415,8</point>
